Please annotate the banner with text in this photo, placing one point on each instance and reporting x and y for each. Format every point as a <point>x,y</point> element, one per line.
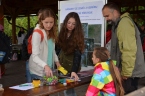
<point>89,12</point>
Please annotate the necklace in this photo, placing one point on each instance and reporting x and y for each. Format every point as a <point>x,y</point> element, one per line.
<point>68,34</point>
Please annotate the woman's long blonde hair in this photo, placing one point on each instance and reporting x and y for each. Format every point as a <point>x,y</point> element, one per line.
<point>49,13</point>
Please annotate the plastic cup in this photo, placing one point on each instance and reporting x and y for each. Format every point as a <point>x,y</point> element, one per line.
<point>36,82</point>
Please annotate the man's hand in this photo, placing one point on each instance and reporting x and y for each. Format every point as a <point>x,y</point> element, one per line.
<point>124,77</point>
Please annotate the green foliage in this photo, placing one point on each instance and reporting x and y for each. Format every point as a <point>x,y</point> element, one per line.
<point>21,22</point>
<point>139,20</point>
<point>123,9</point>
<point>7,27</point>
<point>141,7</point>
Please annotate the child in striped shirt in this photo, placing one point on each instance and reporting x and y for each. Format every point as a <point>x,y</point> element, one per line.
<point>106,80</point>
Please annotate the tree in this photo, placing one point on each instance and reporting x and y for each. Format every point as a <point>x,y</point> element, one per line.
<point>21,22</point>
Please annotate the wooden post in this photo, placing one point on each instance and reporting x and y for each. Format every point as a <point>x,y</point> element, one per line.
<point>28,21</point>
<point>1,15</point>
<point>14,38</point>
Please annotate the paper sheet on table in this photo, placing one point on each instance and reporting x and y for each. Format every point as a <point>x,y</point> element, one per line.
<point>21,87</point>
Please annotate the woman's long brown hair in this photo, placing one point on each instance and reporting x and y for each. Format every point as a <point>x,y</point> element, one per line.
<point>76,39</point>
<point>103,54</point>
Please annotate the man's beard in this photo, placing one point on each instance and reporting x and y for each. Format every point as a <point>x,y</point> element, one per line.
<point>110,22</point>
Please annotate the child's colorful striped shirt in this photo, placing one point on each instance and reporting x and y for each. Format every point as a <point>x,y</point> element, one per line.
<point>102,82</point>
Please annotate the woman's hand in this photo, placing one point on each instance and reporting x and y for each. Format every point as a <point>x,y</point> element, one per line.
<point>48,71</point>
<point>74,76</point>
<point>58,65</point>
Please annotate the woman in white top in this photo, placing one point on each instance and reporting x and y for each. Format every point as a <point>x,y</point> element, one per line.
<point>43,54</point>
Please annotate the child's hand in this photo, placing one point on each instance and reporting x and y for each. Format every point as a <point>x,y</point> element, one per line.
<point>74,76</point>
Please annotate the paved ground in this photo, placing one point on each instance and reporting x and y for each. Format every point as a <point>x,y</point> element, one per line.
<point>15,74</point>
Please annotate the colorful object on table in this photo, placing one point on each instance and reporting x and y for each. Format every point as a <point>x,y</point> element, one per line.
<point>36,83</point>
<point>50,80</point>
<point>66,81</point>
<point>62,70</point>
<point>62,81</point>
<point>70,80</point>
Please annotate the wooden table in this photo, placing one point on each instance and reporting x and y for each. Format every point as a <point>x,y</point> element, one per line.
<point>47,90</point>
